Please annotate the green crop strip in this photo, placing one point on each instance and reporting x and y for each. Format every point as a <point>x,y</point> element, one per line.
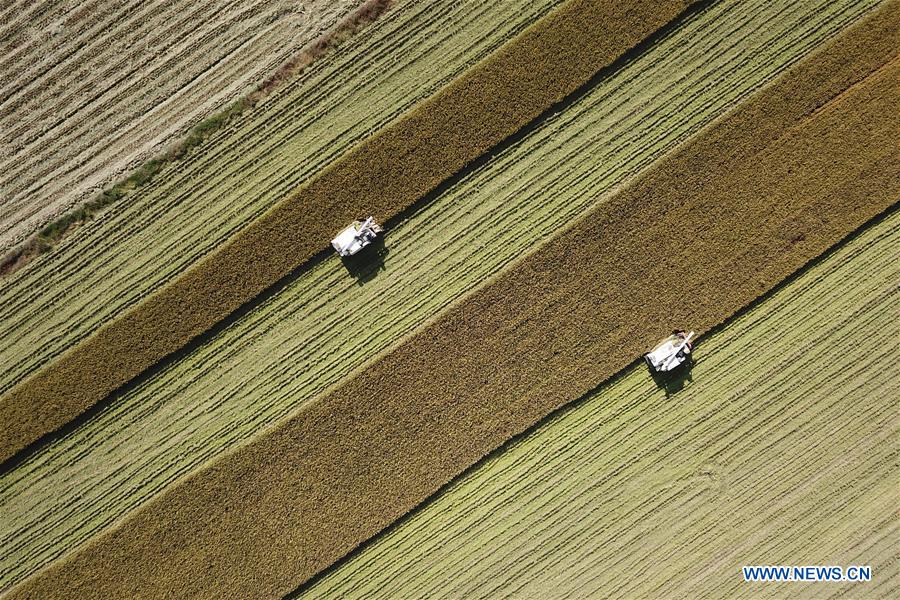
<point>296,498</point>
<point>482,108</point>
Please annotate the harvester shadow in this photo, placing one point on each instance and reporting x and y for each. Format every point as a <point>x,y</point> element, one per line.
<point>674,381</point>
<point>368,263</point>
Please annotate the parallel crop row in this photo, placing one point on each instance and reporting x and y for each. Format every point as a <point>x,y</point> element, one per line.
<point>89,91</point>
<point>114,262</point>
<point>489,103</point>
<point>294,347</point>
<point>566,317</point>
<point>779,449</point>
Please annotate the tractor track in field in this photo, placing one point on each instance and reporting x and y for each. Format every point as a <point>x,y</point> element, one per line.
<point>384,458</point>
<point>289,350</point>
<point>92,91</point>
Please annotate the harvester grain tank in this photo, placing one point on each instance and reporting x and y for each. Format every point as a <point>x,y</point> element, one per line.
<point>670,353</point>
<point>356,236</point>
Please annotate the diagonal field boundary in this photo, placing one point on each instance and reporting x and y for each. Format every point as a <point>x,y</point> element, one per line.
<point>723,219</point>
<point>383,176</point>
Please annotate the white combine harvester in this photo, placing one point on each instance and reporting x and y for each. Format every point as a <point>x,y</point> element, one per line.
<point>356,236</point>
<point>670,353</point>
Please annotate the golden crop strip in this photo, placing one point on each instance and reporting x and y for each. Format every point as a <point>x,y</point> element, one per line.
<point>779,446</point>
<point>383,176</point>
<point>727,216</point>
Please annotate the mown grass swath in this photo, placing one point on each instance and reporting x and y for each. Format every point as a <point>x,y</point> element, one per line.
<point>767,188</point>
<point>383,176</point>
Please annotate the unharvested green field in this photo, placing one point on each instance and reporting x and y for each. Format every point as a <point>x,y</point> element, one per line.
<point>294,347</point>
<point>782,449</point>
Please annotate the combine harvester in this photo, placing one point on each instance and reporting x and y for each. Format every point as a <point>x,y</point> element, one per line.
<point>670,353</point>
<point>356,236</point>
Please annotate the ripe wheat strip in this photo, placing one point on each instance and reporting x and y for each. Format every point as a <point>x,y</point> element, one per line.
<point>772,185</point>
<point>482,108</point>
<point>289,350</point>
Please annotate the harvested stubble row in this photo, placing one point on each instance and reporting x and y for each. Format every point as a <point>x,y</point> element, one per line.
<point>292,348</point>
<point>385,175</point>
<point>778,448</point>
<point>767,188</point>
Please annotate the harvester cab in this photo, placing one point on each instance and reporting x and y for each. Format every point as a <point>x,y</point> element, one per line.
<point>670,353</point>
<point>356,236</point>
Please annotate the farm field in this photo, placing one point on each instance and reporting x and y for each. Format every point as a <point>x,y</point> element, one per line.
<point>91,90</point>
<point>291,349</point>
<point>782,449</point>
<point>482,108</point>
<point>849,84</point>
<point>129,252</point>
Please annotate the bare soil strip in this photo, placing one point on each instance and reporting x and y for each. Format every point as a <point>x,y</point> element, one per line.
<point>90,91</point>
<point>774,184</point>
<point>384,176</point>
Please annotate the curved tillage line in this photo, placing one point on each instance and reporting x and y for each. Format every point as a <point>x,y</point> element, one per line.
<point>610,499</point>
<point>291,348</point>
<point>172,232</point>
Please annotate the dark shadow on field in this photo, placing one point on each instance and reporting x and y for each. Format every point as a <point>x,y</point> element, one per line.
<point>674,381</point>
<point>368,262</point>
